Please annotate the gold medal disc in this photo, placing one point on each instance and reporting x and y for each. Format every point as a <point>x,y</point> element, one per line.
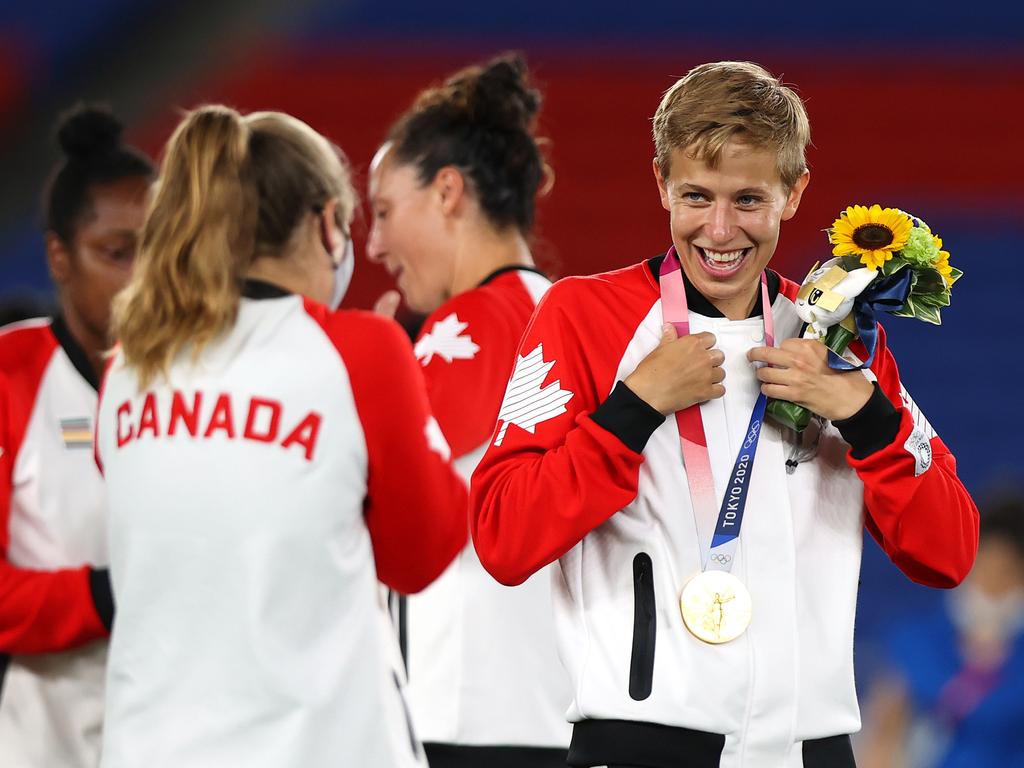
<point>716,606</point>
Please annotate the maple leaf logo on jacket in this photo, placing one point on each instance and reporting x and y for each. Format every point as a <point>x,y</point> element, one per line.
<point>526,403</point>
<point>444,339</point>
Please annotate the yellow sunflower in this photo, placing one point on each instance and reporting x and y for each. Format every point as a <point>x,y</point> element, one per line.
<point>942,264</point>
<point>872,233</point>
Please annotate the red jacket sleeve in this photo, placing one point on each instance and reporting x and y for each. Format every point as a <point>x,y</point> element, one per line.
<point>917,508</point>
<point>551,473</point>
<point>466,349</point>
<point>416,503</point>
<point>40,611</point>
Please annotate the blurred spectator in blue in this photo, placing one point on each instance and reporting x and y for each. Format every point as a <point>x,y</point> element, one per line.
<point>953,696</point>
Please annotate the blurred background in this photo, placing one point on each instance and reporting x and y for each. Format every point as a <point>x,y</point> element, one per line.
<point>915,104</point>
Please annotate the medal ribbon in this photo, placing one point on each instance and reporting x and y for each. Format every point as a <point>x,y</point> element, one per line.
<point>693,440</point>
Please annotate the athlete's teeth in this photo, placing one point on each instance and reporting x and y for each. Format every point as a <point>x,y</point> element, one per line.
<point>723,257</point>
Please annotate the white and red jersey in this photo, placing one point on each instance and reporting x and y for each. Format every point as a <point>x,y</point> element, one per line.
<point>583,472</point>
<point>55,605</point>
<point>483,664</point>
<point>256,495</point>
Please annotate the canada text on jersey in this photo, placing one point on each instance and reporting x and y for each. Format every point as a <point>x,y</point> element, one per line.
<point>262,421</point>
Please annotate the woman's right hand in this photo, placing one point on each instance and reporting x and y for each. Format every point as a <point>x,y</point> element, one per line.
<point>679,372</point>
<point>387,304</point>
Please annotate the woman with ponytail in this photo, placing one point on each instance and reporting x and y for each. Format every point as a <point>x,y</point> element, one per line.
<point>55,603</point>
<point>268,458</point>
<point>453,191</point>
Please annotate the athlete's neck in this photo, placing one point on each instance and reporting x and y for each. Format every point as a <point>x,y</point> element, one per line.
<point>486,252</point>
<point>280,273</point>
<point>94,344</point>
<point>293,268</point>
<point>738,307</point>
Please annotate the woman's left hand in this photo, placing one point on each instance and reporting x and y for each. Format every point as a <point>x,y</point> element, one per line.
<point>798,371</point>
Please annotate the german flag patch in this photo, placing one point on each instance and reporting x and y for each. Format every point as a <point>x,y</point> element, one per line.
<point>77,433</point>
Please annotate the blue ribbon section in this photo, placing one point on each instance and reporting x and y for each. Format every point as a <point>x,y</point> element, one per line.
<point>886,294</point>
<point>730,516</point>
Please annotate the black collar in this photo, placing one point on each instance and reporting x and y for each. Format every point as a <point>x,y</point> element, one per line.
<point>260,289</point>
<point>699,304</point>
<point>73,350</point>
<point>514,268</point>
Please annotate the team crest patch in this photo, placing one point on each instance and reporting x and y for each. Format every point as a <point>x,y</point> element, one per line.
<point>445,339</point>
<point>76,433</point>
<point>919,446</point>
<point>527,403</point>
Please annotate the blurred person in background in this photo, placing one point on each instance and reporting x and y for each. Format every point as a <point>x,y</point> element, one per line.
<point>267,460</point>
<point>953,693</point>
<point>453,192</point>
<point>55,603</point>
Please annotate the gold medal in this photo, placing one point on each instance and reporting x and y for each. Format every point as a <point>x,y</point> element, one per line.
<point>716,606</point>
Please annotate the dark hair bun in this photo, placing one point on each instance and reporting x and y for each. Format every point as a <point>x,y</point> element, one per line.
<point>88,130</point>
<point>500,94</point>
<point>480,121</point>
<point>90,137</point>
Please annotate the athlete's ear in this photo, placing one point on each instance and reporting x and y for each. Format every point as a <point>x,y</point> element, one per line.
<point>58,258</point>
<point>450,186</point>
<point>662,184</point>
<point>330,233</point>
<point>795,195</point>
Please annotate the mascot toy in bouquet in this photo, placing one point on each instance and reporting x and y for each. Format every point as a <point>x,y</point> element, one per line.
<point>885,260</point>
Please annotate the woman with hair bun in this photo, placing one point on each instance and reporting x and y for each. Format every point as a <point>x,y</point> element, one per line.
<point>268,459</point>
<point>55,603</point>
<point>453,191</point>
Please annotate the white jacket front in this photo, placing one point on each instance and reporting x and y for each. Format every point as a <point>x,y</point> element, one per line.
<point>586,473</point>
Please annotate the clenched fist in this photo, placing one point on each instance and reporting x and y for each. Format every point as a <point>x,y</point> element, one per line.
<point>798,371</point>
<point>679,372</point>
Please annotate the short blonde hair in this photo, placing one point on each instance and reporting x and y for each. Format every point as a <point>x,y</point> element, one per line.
<point>231,188</point>
<point>716,102</point>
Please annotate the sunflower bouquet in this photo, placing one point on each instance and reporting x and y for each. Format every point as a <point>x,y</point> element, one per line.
<point>884,260</point>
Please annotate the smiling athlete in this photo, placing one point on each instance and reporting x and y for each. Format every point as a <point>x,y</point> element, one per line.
<point>705,601</point>
<point>453,192</point>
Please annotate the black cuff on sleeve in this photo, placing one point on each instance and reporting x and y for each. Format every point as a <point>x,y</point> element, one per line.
<point>628,417</point>
<point>102,596</point>
<point>873,427</point>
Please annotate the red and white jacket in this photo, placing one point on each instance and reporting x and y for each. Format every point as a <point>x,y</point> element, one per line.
<point>483,664</point>
<point>256,495</point>
<point>583,472</point>
<point>55,605</point>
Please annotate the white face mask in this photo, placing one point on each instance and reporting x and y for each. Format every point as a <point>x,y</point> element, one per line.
<point>999,617</point>
<point>343,275</point>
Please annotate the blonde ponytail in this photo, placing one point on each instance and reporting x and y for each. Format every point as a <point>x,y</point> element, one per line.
<point>197,242</point>
<point>231,189</point>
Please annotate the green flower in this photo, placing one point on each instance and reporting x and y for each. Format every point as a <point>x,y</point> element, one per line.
<point>920,250</point>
